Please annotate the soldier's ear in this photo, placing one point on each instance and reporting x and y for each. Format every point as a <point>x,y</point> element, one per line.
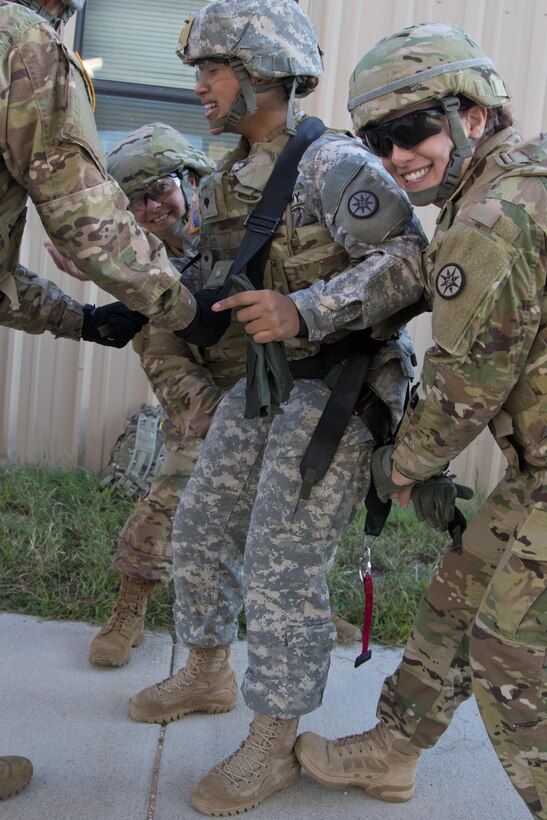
<point>475,120</point>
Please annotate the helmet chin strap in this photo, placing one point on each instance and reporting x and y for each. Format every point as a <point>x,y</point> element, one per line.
<point>245,102</point>
<point>463,148</point>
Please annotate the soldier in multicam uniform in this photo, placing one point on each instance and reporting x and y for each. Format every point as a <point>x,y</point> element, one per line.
<point>430,103</point>
<point>50,151</point>
<point>159,171</point>
<point>333,267</point>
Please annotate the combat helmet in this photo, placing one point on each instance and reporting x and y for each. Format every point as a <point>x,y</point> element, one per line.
<point>273,40</point>
<point>152,151</point>
<point>423,63</point>
<point>71,6</point>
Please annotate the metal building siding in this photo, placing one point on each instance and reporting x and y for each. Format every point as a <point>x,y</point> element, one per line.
<point>65,402</point>
<point>61,401</point>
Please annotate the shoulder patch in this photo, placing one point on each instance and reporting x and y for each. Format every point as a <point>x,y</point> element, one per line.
<point>464,293</point>
<point>450,281</point>
<point>363,204</point>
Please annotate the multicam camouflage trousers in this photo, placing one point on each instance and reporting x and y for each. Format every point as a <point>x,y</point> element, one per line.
<point>144,548</point>
<point>482,628</point>
<point>242,535</point>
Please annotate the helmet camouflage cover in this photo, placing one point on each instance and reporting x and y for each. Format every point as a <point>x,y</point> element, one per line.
<point>272,38</point>
<point>153,151</point>
<point>71,7</point>
<point>425,62</point>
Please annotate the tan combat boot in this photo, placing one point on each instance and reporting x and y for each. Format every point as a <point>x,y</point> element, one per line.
<point>374,761</point>
<point>206,683</point>
<point>124,629</point>
<point>265,763</point>
<point>346,633</point>
<point>15,773</point>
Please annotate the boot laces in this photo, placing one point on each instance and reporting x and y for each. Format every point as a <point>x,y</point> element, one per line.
<point>251,756</point>
<point>186,675</point>
<point>122,618</point>
<point>375,740</point>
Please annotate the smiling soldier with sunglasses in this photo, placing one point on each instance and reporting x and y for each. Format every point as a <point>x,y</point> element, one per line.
<point>430,103</point>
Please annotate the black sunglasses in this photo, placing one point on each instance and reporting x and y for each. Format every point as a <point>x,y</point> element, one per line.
<point>406,132</point>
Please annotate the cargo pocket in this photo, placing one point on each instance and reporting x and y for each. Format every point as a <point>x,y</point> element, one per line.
<point>531,539</point>
<point>509,638</point>
<point>516,592</point>
<point>308,659</point>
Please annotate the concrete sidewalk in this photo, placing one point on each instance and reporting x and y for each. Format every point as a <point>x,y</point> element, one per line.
<point>93,762</point>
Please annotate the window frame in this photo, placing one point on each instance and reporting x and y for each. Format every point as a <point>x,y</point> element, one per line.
<point>134,91</point>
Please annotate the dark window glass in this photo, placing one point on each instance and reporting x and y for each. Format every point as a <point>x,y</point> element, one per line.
<point>129,50</point>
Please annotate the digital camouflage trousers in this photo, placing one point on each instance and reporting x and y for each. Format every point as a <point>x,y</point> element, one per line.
<point>243,536</point>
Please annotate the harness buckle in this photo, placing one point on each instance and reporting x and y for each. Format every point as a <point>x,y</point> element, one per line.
<point>263,224</point>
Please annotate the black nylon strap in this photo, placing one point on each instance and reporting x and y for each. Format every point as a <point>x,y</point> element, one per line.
<point>341,403</point>
<point>262,222</point>
<point>207,328</point>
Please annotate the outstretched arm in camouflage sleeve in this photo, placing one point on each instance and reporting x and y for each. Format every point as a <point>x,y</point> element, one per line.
<point>50,150</point>
<point>42,307</point>
<point>39,305</point>
<point>481,338</point>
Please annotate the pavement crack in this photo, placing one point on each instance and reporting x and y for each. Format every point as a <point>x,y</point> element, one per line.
<point>151,813</point>
<point>154,781</point>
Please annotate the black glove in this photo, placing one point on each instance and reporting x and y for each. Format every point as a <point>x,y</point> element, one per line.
<point>456,528</point>
<point>434,500</point>
<point>207,327</point>
<point>113,325</point>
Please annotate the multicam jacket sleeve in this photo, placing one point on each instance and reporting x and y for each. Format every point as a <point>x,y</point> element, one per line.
<point>42,307</point>
<point>50,150</point>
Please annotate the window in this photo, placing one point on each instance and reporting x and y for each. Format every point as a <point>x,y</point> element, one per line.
<point>129,50</point>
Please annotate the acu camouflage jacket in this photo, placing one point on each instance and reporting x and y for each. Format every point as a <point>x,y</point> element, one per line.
<point>347,250</point>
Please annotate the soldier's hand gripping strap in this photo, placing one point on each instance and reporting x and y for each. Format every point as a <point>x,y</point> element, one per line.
<point>207,328</point>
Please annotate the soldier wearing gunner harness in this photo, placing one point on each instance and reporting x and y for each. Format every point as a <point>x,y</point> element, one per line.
<point>344,257</point>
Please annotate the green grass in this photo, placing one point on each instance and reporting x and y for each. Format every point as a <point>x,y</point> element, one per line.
<point>404,558</point>
<point>58,530</point>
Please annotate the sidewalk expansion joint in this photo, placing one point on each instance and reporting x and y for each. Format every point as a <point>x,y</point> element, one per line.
<point>154,781</point>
